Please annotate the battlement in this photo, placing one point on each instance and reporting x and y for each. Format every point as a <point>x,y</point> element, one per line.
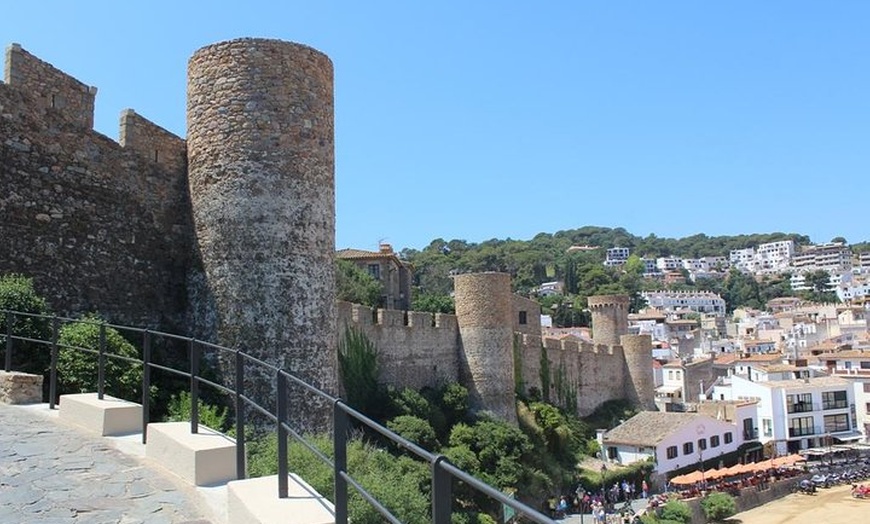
<point>152,141</point>
<point>50,87</point>
<point>361,315</point>
<point>600,301</point>
<point>569,345</point>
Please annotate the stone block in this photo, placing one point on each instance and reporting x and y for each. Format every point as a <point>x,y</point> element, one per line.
<point>205,458</point>
<point>256,501</point>
<point>107,417</point>
<point>20,388</point>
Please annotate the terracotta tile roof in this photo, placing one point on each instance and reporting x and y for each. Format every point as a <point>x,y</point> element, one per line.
<point>726,358</point>
<point>648,428</point>
<point>765,357</point>
<point>799,383</point>
<point>849,353</point>
<point>353,254</point>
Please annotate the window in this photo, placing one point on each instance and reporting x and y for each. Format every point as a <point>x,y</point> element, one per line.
<point>612,452</point>
<point>670,374</point>
<point>672,452</point>
<point>865,364</point>
<point>688,448</point>
<point>867,387</point>
<point>714,441</point>
<point>729,437</point>
<point>523,318</point>
<point>801,403</point>
<point>375,271</point>
<point>800,426</point>
<point>836,423</point>
<point>767,427</point>
<point>702,444</point>
<point>834,400</point>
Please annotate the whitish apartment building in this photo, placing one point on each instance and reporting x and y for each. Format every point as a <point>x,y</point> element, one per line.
<point>697,301</point>
<point>616,256</point>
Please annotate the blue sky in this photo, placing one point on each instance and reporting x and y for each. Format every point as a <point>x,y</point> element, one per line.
<point>480,120</point>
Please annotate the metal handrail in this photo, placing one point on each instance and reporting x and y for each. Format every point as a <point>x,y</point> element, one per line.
<point>443,472</point>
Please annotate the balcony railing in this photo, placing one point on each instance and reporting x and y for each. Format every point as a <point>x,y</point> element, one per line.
<point>800,407</point>
<point>750,434</point>
<point>803,432</point>
<point>444,475</point>
<point>836,404</point>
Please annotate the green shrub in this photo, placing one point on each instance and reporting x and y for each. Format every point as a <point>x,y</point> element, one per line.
<point>718,506</point>
<point>77,370</point>
<point>214,417</point>
<point>17,294</point>
<point>358,365</point>
<point>415,429</point>
<point>676,510</point>
<point>399,483</point>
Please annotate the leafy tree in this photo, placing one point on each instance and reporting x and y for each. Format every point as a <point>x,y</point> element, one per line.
<point>718,506</point>
<point>17,294</point>
<point>839,240</point>
<point>78,369</point>
<point>434,303</point>
<point>355,285</point>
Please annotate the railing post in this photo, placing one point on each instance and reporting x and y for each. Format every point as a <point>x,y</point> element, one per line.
<point>8,365</point>
<point>193,351</point>
<point>282,436</point>
<point>340,427</point>
<point>146,383</point>
<point>442,487</point>
<point>240,416</point>
<point>101,364</point>
<point>52,377</point>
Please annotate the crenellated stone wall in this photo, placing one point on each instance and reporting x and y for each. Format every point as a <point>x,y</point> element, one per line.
<point>96,225</point>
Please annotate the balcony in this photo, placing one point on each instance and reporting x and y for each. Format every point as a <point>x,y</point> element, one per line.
<point>750,434</point>
<point>836,404</point>
<point>800,407</point>
<point>803,432</point>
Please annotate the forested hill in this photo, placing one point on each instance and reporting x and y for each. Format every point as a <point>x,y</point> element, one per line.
<point>547,257</point>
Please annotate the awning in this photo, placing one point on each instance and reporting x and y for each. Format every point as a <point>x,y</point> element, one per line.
<point>849,437</point>
<point>668,389</point>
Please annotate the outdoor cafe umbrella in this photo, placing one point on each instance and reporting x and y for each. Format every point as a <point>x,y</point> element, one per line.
<point>687,479</point>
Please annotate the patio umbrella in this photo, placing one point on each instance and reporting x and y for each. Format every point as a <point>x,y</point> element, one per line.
<point>687,479</point>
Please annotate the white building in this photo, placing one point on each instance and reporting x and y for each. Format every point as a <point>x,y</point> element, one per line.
<point>833,257</point>
<point>697,301</point>
<point>774,257</point>
<point>853,365</point>
<point>673,440</point>
<point>616,256</point>
<point>742,259</point>
<point>801,413</point>
<point>666,264</point>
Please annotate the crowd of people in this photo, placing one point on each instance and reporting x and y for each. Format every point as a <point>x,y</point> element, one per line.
<point>597,504</point>
<point>759,480</point>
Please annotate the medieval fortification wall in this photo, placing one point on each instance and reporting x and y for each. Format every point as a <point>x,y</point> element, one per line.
<point>229,236</point>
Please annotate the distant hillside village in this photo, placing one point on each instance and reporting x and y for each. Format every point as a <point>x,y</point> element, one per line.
<point>792,378</point>
<point>847,271</point>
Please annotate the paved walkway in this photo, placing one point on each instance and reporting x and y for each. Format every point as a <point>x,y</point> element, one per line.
<point>51,472</point>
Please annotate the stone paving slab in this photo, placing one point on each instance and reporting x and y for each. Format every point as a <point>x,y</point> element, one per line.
<point>51,472</point>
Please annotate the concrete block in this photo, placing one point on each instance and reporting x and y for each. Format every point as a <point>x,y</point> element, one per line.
<point>20,388</point>
<point>256,501</point>
<point>106,417</point>
<point>202,459</point>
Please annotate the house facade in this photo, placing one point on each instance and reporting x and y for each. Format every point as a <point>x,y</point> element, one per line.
<point>386,267</point>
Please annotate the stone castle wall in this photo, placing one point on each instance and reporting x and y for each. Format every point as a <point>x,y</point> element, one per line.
<point>98,226</point>
<point>229,236</point>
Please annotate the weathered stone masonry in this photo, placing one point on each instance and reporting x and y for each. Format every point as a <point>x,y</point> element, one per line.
<point>238,248</point>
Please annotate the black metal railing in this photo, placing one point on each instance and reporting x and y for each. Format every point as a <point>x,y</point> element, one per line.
<point>800,407</point>
<point>343,416</point>
<point>835,404</point>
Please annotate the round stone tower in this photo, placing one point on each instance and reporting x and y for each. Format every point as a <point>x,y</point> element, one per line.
<point>484,313</point>
<point>609,318</point>
<point>261,173</point>
<point>639,380</point>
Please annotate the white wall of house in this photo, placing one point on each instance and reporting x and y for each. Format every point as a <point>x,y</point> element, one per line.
<point>704,429</point>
